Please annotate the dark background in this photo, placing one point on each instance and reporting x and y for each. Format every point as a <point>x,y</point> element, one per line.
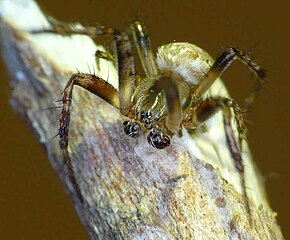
<point>32,202</point>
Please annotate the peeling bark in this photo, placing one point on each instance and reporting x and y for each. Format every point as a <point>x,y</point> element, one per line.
<point>131,191</point>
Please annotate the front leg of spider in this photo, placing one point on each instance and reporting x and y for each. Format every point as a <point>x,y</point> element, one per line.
<point>121,100</point>
<point>207,108</point>
<point>95,85</point>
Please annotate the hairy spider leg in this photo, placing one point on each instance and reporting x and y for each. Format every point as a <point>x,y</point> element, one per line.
<point>222,63</point>
<point>128,77</point>
<point>121,100</point>
<point>207,108</point>
<point>63,28</point>
<point>95,85</point>
<point>101,88</point>
<point>142,43</point>
<point>235,152</point>
<point>126,71</point>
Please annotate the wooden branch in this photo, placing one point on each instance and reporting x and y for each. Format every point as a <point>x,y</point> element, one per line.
<point>190,190</point>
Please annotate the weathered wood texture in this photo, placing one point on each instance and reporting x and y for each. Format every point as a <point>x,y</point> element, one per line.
<point>131,191</point>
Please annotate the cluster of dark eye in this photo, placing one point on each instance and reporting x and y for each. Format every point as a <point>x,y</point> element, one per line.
<point>154,137</point>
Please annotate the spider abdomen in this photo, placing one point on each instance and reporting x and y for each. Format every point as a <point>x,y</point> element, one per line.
<point>184,59</point>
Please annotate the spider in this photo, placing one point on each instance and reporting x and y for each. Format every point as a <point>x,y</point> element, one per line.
<point>169,96</point>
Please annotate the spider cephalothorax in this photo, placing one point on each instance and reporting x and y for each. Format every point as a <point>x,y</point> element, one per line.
<point>170,95</point>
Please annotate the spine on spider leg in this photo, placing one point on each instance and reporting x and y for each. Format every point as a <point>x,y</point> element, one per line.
<point>64,130</point>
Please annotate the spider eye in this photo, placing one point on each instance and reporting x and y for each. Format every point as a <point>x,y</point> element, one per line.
<point>142,115</point>
<point>132,129</point>
<point>157,140</point>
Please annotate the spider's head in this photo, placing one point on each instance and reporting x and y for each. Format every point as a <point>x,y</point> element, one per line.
<point>157,140</point>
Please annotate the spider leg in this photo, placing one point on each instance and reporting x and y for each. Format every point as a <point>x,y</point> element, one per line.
<point>122,99</point>
<point>236,153</point>
<point>142,43</point>
<point>128,77</point>
<point>126,74</point>
<point>66,29</point>
<point>173,105</point>
<point>204,110</point>
<point>95,85</point>
<point>222,63</point>
<point>126,71</point>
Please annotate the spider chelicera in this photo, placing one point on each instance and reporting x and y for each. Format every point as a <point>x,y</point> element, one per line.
<point>168,96</point>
